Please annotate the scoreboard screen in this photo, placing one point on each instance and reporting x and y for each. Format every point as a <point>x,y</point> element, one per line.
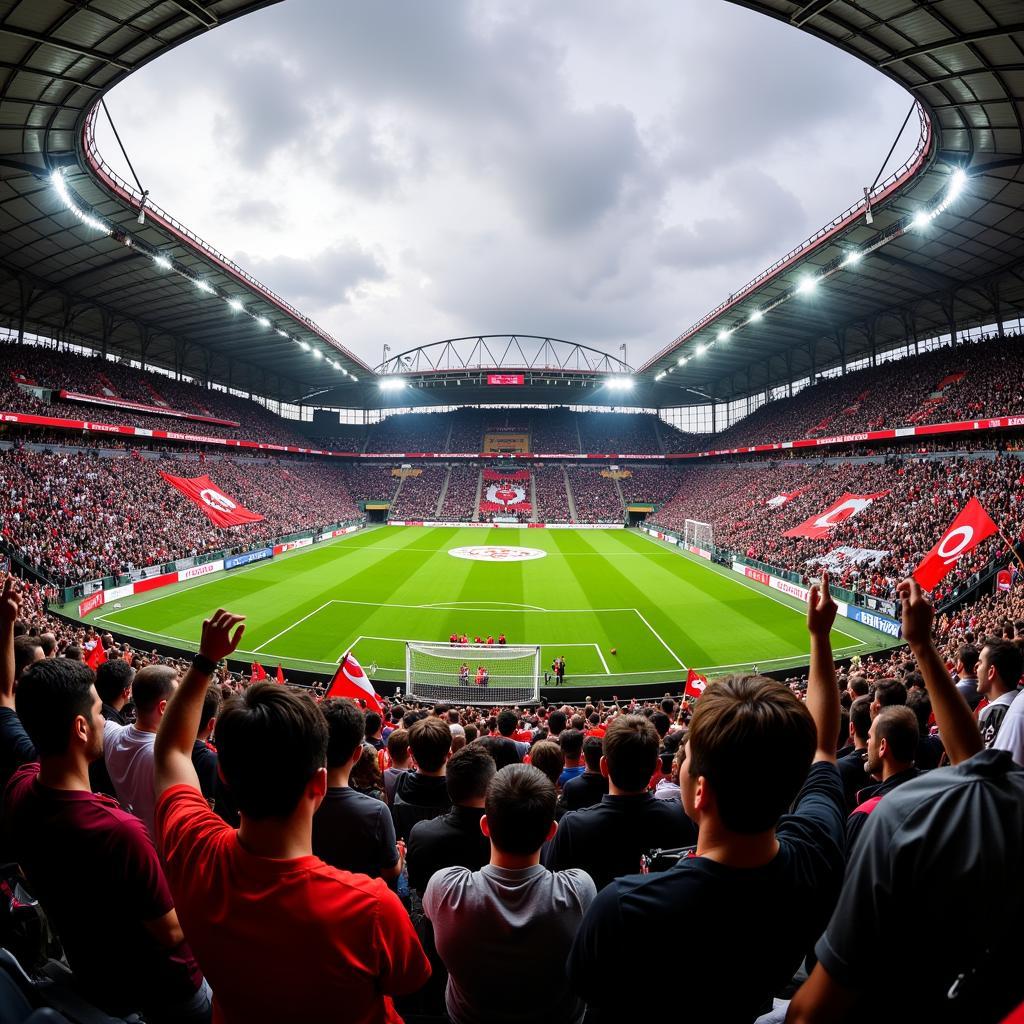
<point>506,378</point>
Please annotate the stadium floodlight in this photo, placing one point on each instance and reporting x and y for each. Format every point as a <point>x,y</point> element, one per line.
<point>284,334</point>
<point>61,187</point>
<point>236,305</point>
<point>354,377</point>
<point>852,258</point>
<point>807,285</point>
<point>957,183</point>
<point>723,335</point>
<point>162,262</point>
<point>304,345</point>
<point>681,361</point>
<point>756,316</point>
<point>317,354</point>
<point>204,286</point>
<point>619,383</point>
<point>701,349</point>
<point>392,384</point>
<point>262,321</point>
<point>922,219</point>
<point>660,375</point>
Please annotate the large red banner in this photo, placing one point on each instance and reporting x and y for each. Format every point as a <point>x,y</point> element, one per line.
<point>211,500</point>
<point>965,533</point>
<point>512,474</point>
<point>848,506</point>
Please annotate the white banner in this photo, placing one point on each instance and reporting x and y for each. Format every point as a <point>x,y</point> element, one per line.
<point>839,557</point>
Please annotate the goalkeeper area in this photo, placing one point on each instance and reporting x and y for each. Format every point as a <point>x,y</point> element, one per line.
<point>619,606</point>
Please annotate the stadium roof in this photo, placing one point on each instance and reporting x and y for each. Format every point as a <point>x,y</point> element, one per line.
<point>74,262</point>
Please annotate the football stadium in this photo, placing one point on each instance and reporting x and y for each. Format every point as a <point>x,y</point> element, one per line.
<point>371,661</point>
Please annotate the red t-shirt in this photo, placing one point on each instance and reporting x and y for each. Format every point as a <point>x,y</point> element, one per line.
<point>284,940</point>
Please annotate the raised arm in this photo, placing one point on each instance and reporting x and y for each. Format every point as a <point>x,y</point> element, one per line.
<point>822,688</point>
<point>222,633</point>
<point>957,727</point>
<point>10,609</point>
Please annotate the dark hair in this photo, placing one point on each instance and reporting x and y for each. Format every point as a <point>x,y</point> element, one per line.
<point>631,747</point>
<point>593,750</point>
<point>507,722</point>
<point>211,702</point>
<point>472,732</point>
<point>921,704</point>
<point>468,773</point>
<point>890,693</point>
<point>366,775</point>
<point>898,726</point>
<point>430,739</point>
<point>557,722</point>
<point>860,717</point>
<point>753,740</point>
<point>1006,659</point>
<point>51,694</point>
<point>25,648</point>
<point>112,679</point>
<point>373,723</point>
<point>49,644</point>
<point>345,724</point>
<point>503,750</point>
<point>571,742</point>
<point>398,744</point>
<point>520,806</point>
<point>668,705</point>
<point>72,652</point>
<point>858,685</point>
<point>271,741</point>
<point>661,722</point>
<point>151,685</point>
<point>968,657</point>
<point>548,757</point>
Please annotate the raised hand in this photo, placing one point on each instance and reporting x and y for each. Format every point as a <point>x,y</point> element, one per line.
<point>218,641</point>
<point>918,613</point>
<point>821,609</point>
<point>10,602</point>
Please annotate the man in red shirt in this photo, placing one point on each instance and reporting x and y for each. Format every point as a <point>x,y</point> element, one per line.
<point>281,935</point>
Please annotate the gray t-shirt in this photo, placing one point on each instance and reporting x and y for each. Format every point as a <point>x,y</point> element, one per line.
<point>499,923</point>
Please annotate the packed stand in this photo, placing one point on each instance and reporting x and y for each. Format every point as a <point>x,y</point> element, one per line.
<point>628,433</point>
<point>460,499</point>
<point>653,484</point>
<point>75,517</point>
<point>409,432</point>
<point>595,496</point>
<point>554,431</point>
<point>417,497</point>
<point>467,430</point>
<point>552,499</point>
<point>367,481</point>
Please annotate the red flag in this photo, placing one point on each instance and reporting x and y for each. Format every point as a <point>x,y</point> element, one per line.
<point>350,681</point>
<point>696,684</point>
<point>95,655</point>
<point>280,675</point>
<point>845,508</point>
<point>784,498</point>
<point>259,673</point>
<point>965,533</point>
<point>1004,579</point>
<point>212,501</point>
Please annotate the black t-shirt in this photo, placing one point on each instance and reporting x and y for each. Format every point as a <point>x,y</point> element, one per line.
<point>608,839</point>
<point>452,840</point>
<point>353,832</point>
<point>868,798</point>
<point>585,790</point>
<point>748,928</point>
<point>417,798</point>
<point>204,760</point>
<point>16,748</point>
<point>852,776</point>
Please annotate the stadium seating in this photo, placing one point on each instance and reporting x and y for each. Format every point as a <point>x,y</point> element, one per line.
<point>460,498</point>
<point>596,497</point>
<point>417,497</point>
<point>552,499</point>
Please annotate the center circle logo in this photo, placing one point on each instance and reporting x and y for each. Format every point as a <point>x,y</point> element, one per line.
<point>221,502</point>
<point>496,553</point>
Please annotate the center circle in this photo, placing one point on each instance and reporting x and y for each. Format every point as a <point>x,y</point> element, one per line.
<point>497,553</point>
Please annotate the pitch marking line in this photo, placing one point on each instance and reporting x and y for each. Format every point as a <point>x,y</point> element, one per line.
<point>657,636</point>
<point>528,609</point>
<point>502,605</point>
<point>288,629</point>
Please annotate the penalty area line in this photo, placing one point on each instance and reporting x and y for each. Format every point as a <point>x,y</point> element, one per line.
<point>658,637</point>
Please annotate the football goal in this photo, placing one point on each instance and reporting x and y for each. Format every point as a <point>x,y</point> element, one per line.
<point>472,673</point>
<point>700,535</point>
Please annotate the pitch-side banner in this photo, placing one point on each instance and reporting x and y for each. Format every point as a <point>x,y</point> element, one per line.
<point>848,506</point>
<point>965,533</point>
<point>211,500</point>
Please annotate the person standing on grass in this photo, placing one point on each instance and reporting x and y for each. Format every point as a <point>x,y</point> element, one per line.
<point>280,934</point>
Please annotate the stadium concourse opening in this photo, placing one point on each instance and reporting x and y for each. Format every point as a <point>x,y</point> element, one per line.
<point>444,688</point>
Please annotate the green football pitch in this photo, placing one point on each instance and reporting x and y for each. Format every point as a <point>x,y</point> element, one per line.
<point>585,594</point>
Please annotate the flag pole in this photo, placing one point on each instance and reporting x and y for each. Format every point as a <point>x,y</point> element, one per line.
<point>1010,545</point>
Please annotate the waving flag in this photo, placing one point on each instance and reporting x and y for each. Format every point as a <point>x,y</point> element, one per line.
<point>280,675</point>
<point>784,498</point>
<point>696,684</point>
<point>259,673</point>
<point>212,501</point>
<point>848,506</point>
<point>350,681</point>
<point>964,534</point>
<point>95,654</point>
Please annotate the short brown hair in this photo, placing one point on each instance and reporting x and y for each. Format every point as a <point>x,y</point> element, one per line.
<point>398,744</point>
<point>151,685</point>
<point>270,742</point>
<point>753,740</point>
<point>631,748</point>
<point>547,756</point>
<point>520,806</point>
<point>898,727</point>
<point>430,739</point>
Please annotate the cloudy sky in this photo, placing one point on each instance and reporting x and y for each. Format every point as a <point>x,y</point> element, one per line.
<point>603,171</point>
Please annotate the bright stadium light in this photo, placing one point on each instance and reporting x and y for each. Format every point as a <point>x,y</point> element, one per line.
<point>681,361</point>
<point>756,316</point>
<point>957,183</point>
<point>353,376</point>
<point>660,375</point>
<point>701,349</point>
<point>852,258</point>
<point>162,262</point>
<point>317,354</point>
<point>620,383</point>
<point>204,286</point>
<point>262,321</point>
<point>391,384</point>
<point>60,185</point>
<point>236,305</point>
<point>922,219</point>
<point>807,285</point>
<point>284,334</point>
<point>723,335</point>
<point>304,345</point>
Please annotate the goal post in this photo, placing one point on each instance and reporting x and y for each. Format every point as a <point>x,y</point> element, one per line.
<point>700,535</point>
<point>472,673</point>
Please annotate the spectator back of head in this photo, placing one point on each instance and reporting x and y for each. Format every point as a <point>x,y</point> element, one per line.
<point>860,717</point>
<point>520,809</point>
<point>430,739</point>
<point>631,750</point>
<point>27,649</point>
<point>593,750</point>
<point>345,727</point>
<point>571,742</point>
<point>51,694</point>
<point>548,758</point>
<point>897,725</point>
<point>890,693</point>
<point>469,773</point>
<point>151,685</point>
<point>112,679</point>
<point>753,740</point>
<point>270,742</point>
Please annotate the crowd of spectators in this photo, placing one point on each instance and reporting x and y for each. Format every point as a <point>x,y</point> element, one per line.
<point>628,433</point>
<point>409,432</point>
<point>554,431</point>
<point>417,497</point>
<point>552,499</point>
<point>646,483</point>
<point>460,499</point>
<point>369,481</point>
<point>75,517</point>
<point>267,857</point>
<point>596,497</point>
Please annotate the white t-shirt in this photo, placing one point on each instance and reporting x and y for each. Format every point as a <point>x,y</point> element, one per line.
<point>1011,733</point>
<point>128,753</point>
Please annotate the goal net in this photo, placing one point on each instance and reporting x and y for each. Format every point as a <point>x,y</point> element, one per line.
<point>472,673</point>
<point>700,535</point>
